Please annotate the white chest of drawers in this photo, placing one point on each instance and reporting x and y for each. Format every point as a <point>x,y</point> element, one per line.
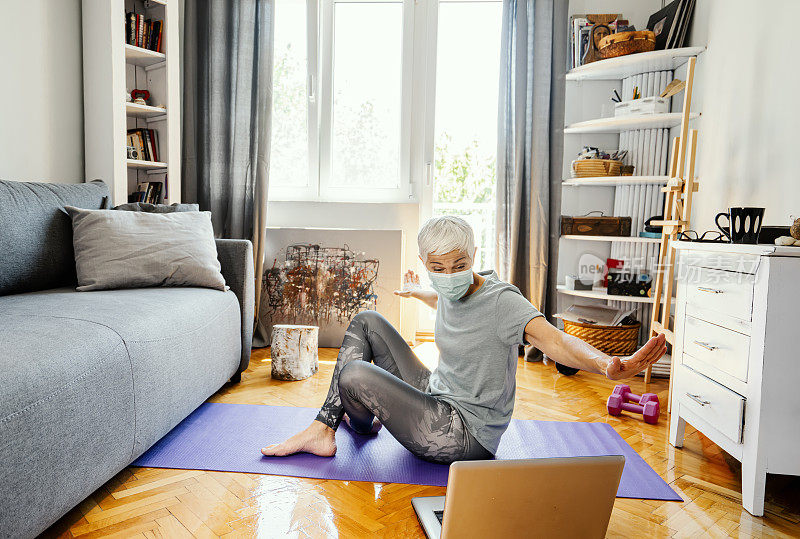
<point>736,359</point>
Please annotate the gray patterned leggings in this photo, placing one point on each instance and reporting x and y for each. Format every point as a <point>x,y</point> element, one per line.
<point>378,375</point>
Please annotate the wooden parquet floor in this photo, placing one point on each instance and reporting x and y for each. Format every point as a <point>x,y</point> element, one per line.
<point>149,502</point>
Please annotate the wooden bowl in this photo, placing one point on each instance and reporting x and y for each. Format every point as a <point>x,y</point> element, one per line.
<point>624,43</point>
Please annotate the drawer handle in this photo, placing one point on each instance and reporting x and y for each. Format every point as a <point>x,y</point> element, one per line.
<point>697,399</point>
<point>709,290</point>
<point>709,347</point>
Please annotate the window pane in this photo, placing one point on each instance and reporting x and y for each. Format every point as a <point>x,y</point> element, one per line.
<point>467,80</point>
<point>367,84</point>
<point>289,148</point>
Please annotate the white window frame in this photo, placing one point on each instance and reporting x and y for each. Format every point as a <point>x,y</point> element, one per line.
<point>428,21</point>
<point>320,30</point>
<point>311,190</point>
<point>428,41</point>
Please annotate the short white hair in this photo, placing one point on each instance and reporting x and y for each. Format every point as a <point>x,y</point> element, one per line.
<point>440,235</point>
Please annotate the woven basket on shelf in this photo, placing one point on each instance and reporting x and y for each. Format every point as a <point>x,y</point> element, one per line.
<point>624,43</point>
<point>612,340</point>
<point>590,168</point>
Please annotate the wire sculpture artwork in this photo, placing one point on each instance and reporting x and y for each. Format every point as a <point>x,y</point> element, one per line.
<point>318,284</point>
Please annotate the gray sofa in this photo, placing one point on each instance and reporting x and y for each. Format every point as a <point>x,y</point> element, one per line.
<point>90,380</point>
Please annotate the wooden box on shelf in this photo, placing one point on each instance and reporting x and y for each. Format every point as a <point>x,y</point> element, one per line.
<point>596,226</point>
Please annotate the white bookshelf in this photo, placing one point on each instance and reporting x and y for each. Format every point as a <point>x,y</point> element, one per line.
<point>634,64</point>
<point>626,123</point>
<point>112,68</point>
<point>587,123</point>
<point>614,181</point>
<point>146,165</point>
<point>143,57</point>
<point>601,293</point>
<point>150,112</point>
<point>628,239</point>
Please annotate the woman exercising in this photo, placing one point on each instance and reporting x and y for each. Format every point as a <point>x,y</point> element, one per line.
<point>460,410</point>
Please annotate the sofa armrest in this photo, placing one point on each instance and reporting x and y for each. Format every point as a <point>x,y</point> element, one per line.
<point>236,258</point>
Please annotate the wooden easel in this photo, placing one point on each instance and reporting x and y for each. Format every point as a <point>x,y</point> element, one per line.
<point>677,214</point>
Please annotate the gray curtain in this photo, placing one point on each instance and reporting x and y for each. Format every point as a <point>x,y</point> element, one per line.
<point>227,99</point>
<point>530,146</point>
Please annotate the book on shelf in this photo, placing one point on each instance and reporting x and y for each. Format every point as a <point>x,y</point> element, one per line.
<point>580,31</point>
<point>670,24</point>
<point>144,33</point>
<point>149,192</point>
<point>145,142</point>
<point>687,7</point>
<point>580,27</point>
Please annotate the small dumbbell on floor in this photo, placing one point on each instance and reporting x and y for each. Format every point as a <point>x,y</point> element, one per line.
<point>623,399</point>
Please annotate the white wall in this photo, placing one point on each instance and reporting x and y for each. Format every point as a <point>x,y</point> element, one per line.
<point>41,90</point>
<point>403,217</point>
<point>748,90</point>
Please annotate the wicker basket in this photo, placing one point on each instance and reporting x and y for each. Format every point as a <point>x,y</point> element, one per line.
<point>624,43</point>
<point>590,168</point>
<point>612,340</point>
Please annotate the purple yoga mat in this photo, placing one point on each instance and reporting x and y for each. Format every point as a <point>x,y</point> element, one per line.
<point>228,438</point>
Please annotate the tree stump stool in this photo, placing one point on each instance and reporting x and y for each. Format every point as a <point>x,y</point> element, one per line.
<point>294,351</point>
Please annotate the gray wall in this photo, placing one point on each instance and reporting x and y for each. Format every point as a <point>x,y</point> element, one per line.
<point>41,90</point>
<point>748,90</point>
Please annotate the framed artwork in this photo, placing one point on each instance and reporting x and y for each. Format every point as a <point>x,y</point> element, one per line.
<point>324,277</point>
<point>661,23</point>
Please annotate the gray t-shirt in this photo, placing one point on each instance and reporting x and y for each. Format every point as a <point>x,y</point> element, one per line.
<point>478,338</point>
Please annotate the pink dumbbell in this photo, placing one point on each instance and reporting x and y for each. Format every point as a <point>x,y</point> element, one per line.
<point>622,399</point>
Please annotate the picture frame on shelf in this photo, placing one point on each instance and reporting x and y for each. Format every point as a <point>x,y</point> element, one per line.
<point>661,22</point>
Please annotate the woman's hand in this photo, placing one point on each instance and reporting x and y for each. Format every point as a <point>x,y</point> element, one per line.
<point>617,368</point>
<point>413,289</point>
<point>410,285</point>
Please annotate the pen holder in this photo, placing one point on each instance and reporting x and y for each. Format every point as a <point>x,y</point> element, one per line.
<point>645,105</point>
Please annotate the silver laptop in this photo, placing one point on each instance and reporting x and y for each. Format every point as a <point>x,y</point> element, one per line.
<point>550,497</point>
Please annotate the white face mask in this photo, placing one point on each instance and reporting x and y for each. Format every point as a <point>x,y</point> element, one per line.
<point>452,286</point>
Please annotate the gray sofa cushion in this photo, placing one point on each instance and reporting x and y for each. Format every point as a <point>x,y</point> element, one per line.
<point>125,249</point>
<point>157,208</point>
<point>66,415</point>
<point>183,343</point>
<point>36,234</point>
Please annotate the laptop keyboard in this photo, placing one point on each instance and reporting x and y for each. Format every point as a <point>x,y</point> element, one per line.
<point>439,515</point>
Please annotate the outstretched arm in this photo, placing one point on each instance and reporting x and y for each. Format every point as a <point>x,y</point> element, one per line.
<point>573,352</point>
<point>413,289</point>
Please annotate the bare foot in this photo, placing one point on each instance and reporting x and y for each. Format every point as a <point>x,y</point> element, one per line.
<point>376,425</point>
<point>318,438</point>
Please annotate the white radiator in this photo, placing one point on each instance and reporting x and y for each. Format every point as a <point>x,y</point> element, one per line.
<point>648,151</point>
